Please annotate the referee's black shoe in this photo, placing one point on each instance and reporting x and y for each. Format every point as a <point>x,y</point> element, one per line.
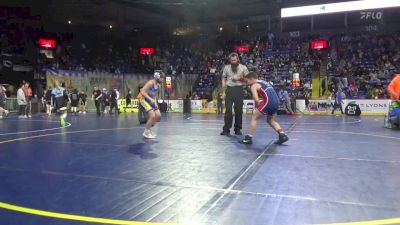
<point>238,132</point>
<point>225,132</point>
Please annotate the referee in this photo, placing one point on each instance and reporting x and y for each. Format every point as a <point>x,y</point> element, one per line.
<point>232,84</point>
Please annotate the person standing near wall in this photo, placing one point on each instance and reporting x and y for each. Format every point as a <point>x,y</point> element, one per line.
<point>284,96</point>
<point>128,98</point>
<point>28,96</point>
<point>104,101</point>
<point>48,99</point>
<point>220,104</point>
<point>74,96</point>
<point>3,98</point>
<point>83,102</point>
<point>394,109</point>
<point>96,97</point>
<point>114,95</point>
<point>118,96</point>
<point>21,100</point>
<point>339,97</point>
<point>394,88</point>
<point>232,84</point>
<point>307,96</point>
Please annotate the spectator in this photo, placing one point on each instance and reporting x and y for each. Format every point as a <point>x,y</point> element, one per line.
<point>96,95</point>
<point>394,88</point>
<point>21,101</point>
<point>339,97</point>
<point>3,98</point>
<point>104,101</point>
<point>307,97</point>
<point>74,96</point>
<point>28,96</point>
<point>220,104</point>
<point>83,102</point>
<point>128,98</point>
<point>286,101</point>
<point>114,101</point>
<point>353,90</point>
<point>48,100</point>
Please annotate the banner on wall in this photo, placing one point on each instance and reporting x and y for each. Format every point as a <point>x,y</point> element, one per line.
<point>315,105</point>
<point>197,104</point>
<point>67,81</point>
<point>370,105</point>
<point>115,83</point>
<point>175,104</point>
<point>367,106</point>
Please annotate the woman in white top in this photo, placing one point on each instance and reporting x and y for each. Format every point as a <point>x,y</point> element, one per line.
<point>21,101</point>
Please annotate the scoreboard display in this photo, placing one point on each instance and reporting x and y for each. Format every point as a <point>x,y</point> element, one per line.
<point>319,44</point>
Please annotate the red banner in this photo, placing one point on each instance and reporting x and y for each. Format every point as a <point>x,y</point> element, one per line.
<point>242,48</point>
<point>320,44</point>
<point>147,51</point>
<point>47,43</point>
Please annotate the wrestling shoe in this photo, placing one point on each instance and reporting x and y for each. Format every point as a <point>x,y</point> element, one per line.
<point>148,135</point>
<point>248,140</point>
<point>282,139</point>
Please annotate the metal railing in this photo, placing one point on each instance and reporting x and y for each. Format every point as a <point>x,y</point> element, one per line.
<point>11,104</point>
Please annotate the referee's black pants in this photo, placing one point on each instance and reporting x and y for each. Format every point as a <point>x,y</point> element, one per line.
<point>234,96</point>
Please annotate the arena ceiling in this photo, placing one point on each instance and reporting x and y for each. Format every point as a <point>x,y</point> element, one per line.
<point>150,12</point>
<point>171,13</point>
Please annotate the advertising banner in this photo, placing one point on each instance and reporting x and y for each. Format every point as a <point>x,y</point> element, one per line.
<point>367,106</point>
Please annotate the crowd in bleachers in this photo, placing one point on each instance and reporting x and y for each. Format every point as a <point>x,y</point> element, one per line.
<point>17,30</point>
<point>363,65</point>
<point>360,65</point>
